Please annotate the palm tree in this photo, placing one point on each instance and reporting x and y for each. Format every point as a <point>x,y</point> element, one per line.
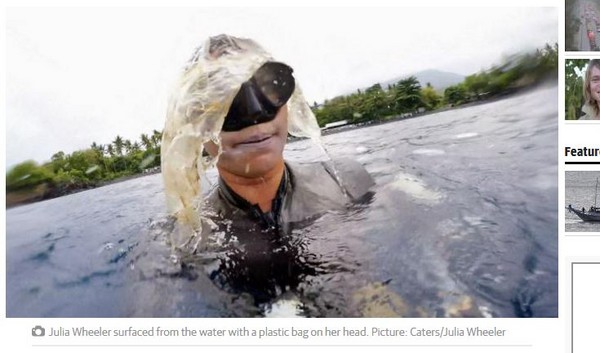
<point>135,147</point>
<point>156,138</point>
<point>99,149</point>
<point>407,95</point>
<point>127,144</point>
<point>110,150</point>
<point>146,141</point>
<point>118,143</point>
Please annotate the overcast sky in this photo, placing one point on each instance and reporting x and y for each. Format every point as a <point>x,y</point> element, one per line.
<point>77,76</point>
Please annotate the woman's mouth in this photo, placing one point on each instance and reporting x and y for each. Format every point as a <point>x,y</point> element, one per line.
<point>256,139</point>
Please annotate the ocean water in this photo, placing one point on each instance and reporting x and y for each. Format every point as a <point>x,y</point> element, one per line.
<point>462,222</point>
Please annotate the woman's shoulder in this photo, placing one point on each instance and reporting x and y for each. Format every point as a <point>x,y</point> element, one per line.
<point>347,173</point>
<point>589,113</point>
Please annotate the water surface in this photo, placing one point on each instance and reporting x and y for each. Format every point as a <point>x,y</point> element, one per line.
<point>462,222</point>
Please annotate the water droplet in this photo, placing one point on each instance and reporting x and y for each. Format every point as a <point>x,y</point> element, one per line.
<point>429,152</point>
<point>146,161</point>
<point>92,169</point>
<point>466,135</point>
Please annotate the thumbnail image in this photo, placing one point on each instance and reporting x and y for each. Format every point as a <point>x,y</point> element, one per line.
<point>581,199</point>
<point>582,25</point>
<point>582,89</point>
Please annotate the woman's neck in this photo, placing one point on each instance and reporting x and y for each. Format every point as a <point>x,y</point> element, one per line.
<point>256,190</point>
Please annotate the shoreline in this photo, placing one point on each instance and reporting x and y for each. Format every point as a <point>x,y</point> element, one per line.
<point>508,94</point>
<point>42,192</point>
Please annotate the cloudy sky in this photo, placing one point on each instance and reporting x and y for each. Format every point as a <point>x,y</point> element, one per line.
<point>82,75</point>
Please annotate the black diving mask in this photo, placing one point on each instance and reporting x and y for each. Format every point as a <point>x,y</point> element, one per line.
<point>260,98</point>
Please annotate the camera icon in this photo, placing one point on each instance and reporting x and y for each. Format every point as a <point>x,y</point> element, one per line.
<point>38,331</point>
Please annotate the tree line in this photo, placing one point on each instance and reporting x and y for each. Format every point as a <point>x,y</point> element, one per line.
<point>101,163</point>
<point>407,96</point>
<point>91,167</point>
<point>574,77</point>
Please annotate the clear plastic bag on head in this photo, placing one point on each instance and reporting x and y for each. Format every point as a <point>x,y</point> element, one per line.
<point>195,114</point>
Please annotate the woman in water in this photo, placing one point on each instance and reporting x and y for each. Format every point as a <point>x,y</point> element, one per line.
<point>233,108</point>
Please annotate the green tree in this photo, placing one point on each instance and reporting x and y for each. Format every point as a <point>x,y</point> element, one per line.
<point>156,137</point>
<point>406,95</point>
<point>110,150</point>
<point>574,77</point>
<point>376,88</point>
<point>135,147</point>
<point>127,145</point>
<point>477,84</point>
<point>146,141</point>
<point>118,144</point>
<point>27,175</point>
<point>455,95</point>
<point>97,147</point>
<point>58,161</point>
<point>430,98</point>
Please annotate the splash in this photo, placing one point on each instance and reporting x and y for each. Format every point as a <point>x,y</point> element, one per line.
<point>429,152</point>
<point>92,169</point>
<point>336,174</point>
<point>195,114</point>
<point>284,308</point>
<point>146,161</point>
<point>416,188</point>
<point>466,135</point>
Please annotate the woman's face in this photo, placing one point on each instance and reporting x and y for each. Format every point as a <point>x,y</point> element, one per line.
<point>254,150</point>
<point>595,84</point>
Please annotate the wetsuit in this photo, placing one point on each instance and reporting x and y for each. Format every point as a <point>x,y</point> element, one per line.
<point>258,252</point>
<point>306,190</point>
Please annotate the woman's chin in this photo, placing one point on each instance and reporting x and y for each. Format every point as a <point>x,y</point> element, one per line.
<point>260,166</point>
<point>253,167</point>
